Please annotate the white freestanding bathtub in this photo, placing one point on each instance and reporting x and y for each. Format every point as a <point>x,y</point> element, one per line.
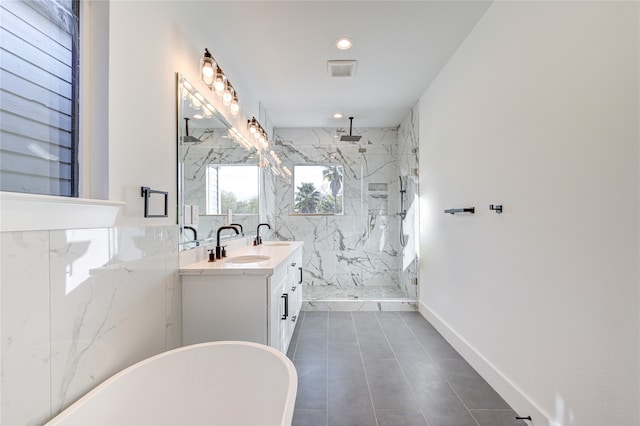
<point>217,383</point>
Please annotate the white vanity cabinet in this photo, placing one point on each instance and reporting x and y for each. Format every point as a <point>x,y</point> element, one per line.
<point>258,302</point>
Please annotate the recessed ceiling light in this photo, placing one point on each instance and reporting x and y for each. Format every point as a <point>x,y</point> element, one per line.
<point>337,115</point>
<point>344,43</point>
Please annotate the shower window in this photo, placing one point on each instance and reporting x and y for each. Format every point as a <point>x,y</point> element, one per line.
<point>232,187</point>
<point>318,189</point>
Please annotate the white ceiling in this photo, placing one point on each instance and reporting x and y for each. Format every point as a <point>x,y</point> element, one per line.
<point>284,46</point>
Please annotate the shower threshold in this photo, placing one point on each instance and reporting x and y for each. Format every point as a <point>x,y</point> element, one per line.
<point>337,293</point>
<point>353,305</point>
<point>357,298</point>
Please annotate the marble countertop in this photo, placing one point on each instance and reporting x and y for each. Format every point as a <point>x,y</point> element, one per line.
<point>277,251</point>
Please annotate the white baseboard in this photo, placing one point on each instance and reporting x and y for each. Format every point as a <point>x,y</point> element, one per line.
<point>515,397</point>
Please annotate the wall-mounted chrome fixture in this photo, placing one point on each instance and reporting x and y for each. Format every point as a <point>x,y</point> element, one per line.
<point>497,208</point>
<point>471,210</point>
<point>258,132</point>
<point>212,76</point>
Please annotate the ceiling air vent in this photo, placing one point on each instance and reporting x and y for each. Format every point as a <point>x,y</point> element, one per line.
<point>341,68</point>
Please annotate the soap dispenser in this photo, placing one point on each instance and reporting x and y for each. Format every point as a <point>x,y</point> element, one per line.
<point>212,255</point>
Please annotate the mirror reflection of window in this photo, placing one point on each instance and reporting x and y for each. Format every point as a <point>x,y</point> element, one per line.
<point>318,189</point>
<point>232,187</point>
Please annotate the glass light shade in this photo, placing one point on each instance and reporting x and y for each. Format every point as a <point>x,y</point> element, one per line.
<point>220,82</point>
<point>194,102</point>
<point>207,68</point>
<point>227,95</point>
<point>234,108</point>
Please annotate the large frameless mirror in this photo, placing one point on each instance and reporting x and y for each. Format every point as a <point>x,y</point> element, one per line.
<point>218,172</point>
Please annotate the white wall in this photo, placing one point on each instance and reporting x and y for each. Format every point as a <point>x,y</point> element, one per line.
<point>149,41</point>
<point>538,111</point>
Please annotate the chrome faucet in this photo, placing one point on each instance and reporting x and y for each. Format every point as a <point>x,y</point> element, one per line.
<point>258,239</point>
<point>220,251</point>
<point>238,225</point>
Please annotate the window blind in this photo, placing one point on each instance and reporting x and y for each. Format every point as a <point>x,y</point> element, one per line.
<point>38,96</point>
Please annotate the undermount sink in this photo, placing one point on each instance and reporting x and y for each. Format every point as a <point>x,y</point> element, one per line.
<point>280,243</point>
<point>250,258</point>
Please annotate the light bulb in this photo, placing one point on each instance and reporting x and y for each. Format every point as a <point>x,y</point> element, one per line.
<point>207,74</point>
<point>206,68</point>
<point>227,95</point>
<point>234,108</point>
<point>220,82</point>
<point>344,43</point>
<point>194,102</point>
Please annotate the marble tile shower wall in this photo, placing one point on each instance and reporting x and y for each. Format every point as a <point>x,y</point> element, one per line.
<point>360,249</point>
<point>78,306</point>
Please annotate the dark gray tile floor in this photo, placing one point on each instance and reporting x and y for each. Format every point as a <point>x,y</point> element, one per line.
<point>386,369</point>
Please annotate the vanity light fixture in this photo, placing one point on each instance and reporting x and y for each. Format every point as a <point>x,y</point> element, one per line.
<point>344,43</point>
<point>207,68</point>
<point>212,76</point>
<point>259,134</point>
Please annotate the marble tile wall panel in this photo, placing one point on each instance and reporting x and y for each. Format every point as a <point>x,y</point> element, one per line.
<point>80,305</point>
<point>108,294</point>
<point>173,286</point>
<point>24,318</point>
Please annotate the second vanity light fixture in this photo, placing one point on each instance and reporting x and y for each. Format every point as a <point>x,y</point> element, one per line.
<point>212,76</point>
<point>258,132</point>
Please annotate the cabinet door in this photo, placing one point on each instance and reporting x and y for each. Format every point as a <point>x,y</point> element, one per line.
<point>296,284</point>
<point>277,310</point>
<point>294,291</point>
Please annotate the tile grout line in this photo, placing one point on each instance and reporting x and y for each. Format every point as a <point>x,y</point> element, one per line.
<point>402,369</point>
<point>445,378</point>
<point>366,378</point>
<point>326,417</point>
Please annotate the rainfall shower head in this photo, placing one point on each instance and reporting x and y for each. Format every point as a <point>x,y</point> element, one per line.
<point>187,138</point>
<point>350,137</point>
